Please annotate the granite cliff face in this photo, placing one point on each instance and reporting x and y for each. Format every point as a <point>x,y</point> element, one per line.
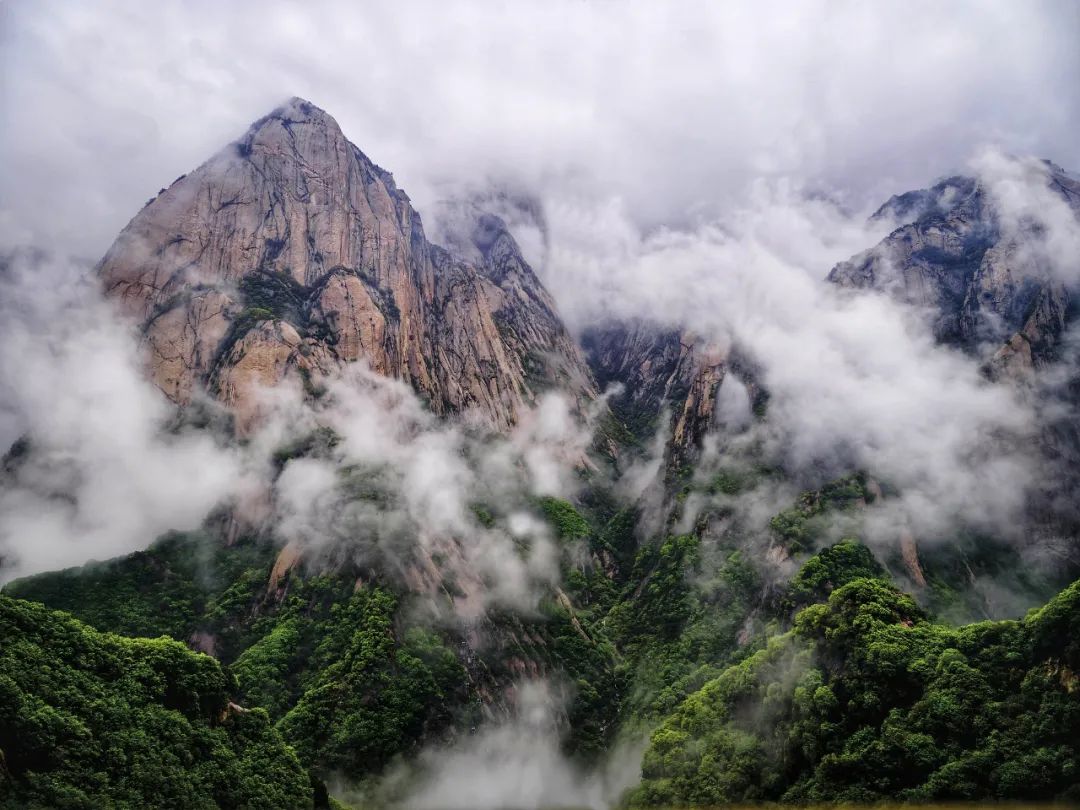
<point>983,274</point>
<point>669,379</point>
<point>290,253</point>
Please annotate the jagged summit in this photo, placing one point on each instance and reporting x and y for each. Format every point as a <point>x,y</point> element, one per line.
<point>986,278</point>
<point>297,110</point>
<point>912,205</point>
<point>291,253</point>
<point>290,120</point>
<point>297,107</point>
<point>282,122</point>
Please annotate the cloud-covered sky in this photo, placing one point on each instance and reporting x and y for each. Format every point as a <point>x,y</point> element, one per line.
<point>672,108</point>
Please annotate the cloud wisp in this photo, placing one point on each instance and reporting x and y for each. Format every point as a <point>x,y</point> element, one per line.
<point>106,466</point>
<point>521,762</point>
<point>854,379</point>
<point>104,475</point>
<point>402,491</point>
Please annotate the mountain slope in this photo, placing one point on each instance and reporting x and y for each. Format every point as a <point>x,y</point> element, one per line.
<point>867,700</point>
<point>290,253</point>
<point>966,253</point>
<point>90,719</point>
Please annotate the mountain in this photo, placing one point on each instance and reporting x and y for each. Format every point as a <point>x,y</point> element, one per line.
<point>725,608</point>
<point>666,372</point>
<point>91,719</point>
<point>290,253</point>
<point>866,700</point>
<point>983,272</point>
<point>996,266</point>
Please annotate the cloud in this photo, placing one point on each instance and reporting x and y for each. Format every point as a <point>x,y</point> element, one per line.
<point>855,380</point>
<point>522,765</point>
<point>104,475</point>
<point>1035,214</point>
<point>400,490</point>
<point>698,164</point>
<point>111,466</point>
<point>675,109</point>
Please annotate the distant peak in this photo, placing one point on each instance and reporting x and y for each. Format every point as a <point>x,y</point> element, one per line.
<point>297,107</point>
<point>296,111</point>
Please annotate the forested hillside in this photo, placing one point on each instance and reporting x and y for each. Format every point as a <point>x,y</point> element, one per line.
<point>833,687</point>
<point>865,699</point>
<point>91,719</point>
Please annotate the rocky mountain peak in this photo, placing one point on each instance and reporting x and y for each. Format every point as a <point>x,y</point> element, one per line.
<point>296,125</point>
<point>291,253</point>
<point>944,196</point>
<point>297,112</point>
<point>978,267</point>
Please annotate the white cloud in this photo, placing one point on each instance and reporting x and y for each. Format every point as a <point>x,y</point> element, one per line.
<point>399,489</point>
<point>107,475</point>
<point>855,379</point>
<point>517,765</point>
<point>104,477</point>
<point>673,108</point>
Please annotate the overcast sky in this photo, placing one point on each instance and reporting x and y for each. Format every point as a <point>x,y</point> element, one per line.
<point>673,108</point>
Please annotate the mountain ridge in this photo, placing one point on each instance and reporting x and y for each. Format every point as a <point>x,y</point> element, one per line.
<point>955,252</point>
<point>687,606</point>
<point>293,206</point>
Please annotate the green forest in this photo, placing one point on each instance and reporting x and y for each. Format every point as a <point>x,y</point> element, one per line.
<point>835,686</point>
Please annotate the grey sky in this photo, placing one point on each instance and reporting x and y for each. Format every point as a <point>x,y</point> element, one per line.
<point>674,108</point>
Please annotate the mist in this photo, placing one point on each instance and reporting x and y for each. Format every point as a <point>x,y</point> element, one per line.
<point>523,765</point>
<point>104,474</point>
<point>855,380</point>
<point>697,167</point>
<point>107,466</point>
<point>400,489</point>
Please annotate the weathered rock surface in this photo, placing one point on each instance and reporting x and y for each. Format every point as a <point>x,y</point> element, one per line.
<point>985,278</point>
<point>290,253</point>
<point>664,374</point>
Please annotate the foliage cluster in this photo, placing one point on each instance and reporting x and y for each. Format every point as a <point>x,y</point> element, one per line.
<point>91,720</point>
<point>866,700</point>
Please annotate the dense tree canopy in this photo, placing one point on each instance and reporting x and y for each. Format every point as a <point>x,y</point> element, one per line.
<point>865,699</point>
<point>91,720</point>
<point>833,686</point>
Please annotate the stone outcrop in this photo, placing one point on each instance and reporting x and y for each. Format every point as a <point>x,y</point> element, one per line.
<point>664,372</point>
<point>290,253</point>
<point>985,279</point>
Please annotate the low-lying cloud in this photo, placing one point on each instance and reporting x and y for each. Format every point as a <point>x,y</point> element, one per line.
<point>403,491</point>
<point>391,487</point>
<point>104,475</point>
<point>695,165</point>
<point>522,765</point>
<point>856,380</point>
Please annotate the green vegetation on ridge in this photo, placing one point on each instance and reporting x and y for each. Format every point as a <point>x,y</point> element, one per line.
<point>832,687</point>
<point>91,720</point>
<point>867,700</point>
